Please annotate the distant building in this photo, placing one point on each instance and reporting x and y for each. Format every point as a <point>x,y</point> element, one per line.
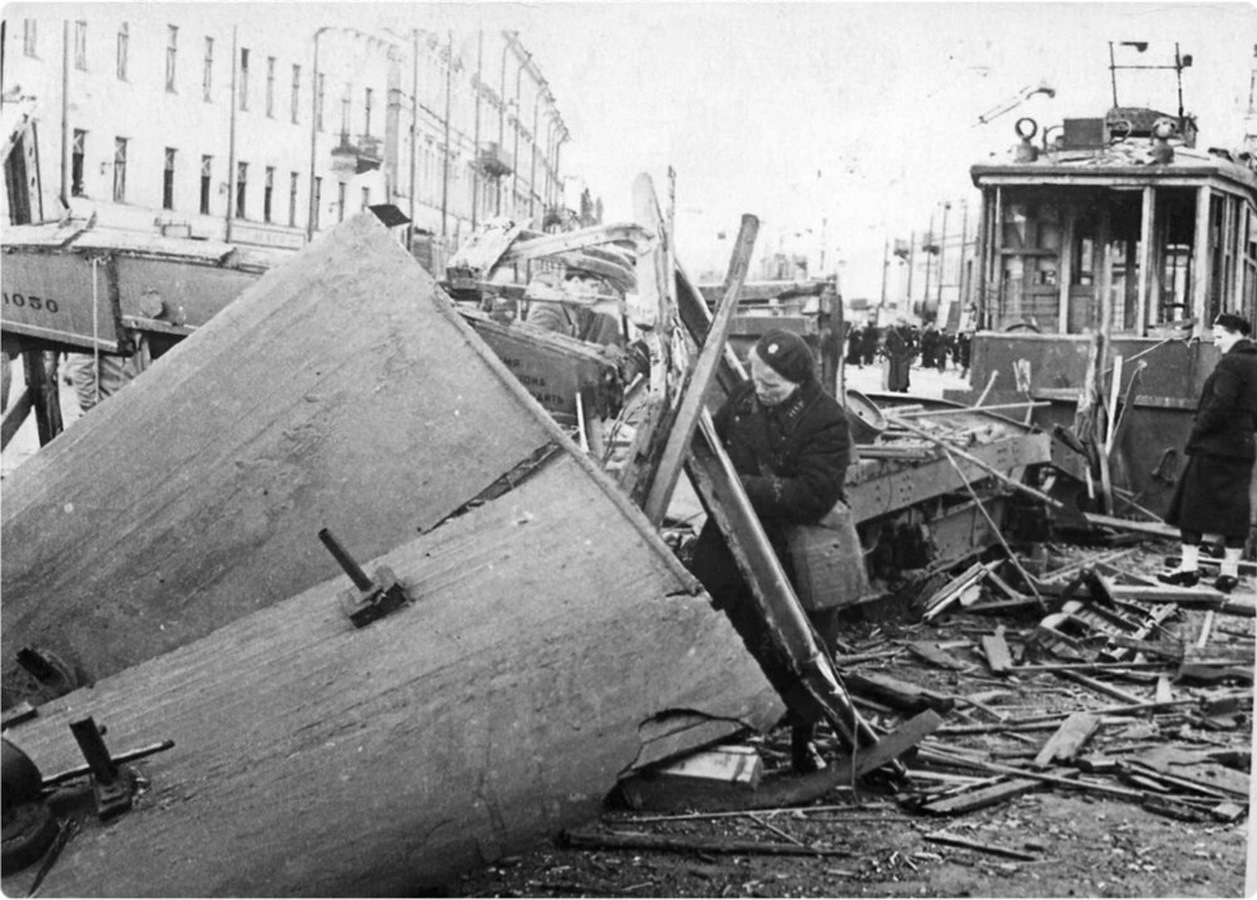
<point>174,118</point>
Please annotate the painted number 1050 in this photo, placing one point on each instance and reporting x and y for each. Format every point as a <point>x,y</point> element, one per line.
<point>32,302</point>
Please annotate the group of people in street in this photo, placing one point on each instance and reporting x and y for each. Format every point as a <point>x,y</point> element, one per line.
<point>902,345</point>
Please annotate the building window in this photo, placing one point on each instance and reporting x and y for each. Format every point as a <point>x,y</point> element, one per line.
<point>168,180</point>
<point>119,169</point>
<point>268,192</point>
<point>124,40</point>
<point>340,201</point>
<point>270,87</point>
<point>242,181</point>
<point>292,200</point>
<point>366,122</point>
<point>345,103</point>
<point>76,162</point>
<point>244,79</point>
<point>28,37</point>
<point>207,184</point>
<point>172,50</point>
<point>207,71</point>
<point>296,93</point>
<point>366,199</point>
<point>320,96</point>
<point>80,45</point>
<point>318,201</point>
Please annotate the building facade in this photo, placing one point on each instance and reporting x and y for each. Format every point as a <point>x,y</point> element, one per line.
<point>260,127</point>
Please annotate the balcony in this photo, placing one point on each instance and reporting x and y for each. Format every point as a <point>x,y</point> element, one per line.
<point>357,156</point>
<point>494,161</point>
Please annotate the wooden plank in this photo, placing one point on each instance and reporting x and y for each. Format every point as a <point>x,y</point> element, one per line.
<point>675,843</point>
<point>1157,529</point>
<point>15,415</point>
<point>479,254</point>
<point>952,840</point>
<point>661,483</point>
<point>1164,692</point>
<point>316,759</point>
<point>995,649</point>
<point>1099,686</point>
<point>897,693</point>
<point>932,653</point>
<point>737,764</point>
<point>967,801</point>
<point>614,233</point>
<point>1068,740</point>
<point>193,497</point>
<point>1197,596</point>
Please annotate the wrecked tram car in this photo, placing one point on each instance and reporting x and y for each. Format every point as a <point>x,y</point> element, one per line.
<point>1104,257</point>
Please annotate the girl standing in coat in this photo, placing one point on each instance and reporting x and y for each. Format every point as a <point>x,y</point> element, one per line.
<point>1212,494</point>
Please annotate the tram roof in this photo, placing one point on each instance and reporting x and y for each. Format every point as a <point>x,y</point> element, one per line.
<point>1128,164</point>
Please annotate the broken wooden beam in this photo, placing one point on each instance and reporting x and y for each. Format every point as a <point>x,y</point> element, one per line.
<point>591,839</point>
<point>995,649</point>
<point>1098,686</point>
<point>898,693</point>
<point>1156,529</point>
<point>969,800</point>
<point>952,840</point>
<point>1068,740</point>
<point>660,480</point>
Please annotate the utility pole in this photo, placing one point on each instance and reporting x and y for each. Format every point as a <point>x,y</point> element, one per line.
<point>65,116</point>
<point>414,132</point>
<point>942,252</point>
<point>885,269</point>
<point>475,153</point>
<point>445,168</point>
<point>962,282</point>
<point>929,254</point>
<point>912,264</point>
<point>313,211</point>
<point>231,139</point>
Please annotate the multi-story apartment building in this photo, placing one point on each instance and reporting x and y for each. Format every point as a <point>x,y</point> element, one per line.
<point>261,125</point>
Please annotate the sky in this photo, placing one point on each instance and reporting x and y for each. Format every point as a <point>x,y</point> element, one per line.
<point>840,125</point>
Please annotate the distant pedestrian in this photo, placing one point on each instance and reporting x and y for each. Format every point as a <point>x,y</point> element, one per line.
<point>898,358</point>
<point>870,343</point>
<point>964,348</point>
<point>855,338</point>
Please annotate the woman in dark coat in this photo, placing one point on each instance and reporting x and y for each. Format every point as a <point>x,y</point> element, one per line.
<point>1212,495</point>
<point>790,444</point>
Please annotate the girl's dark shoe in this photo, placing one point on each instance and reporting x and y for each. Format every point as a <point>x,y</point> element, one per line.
<point>1180,578</point>
<point>1226,583</point>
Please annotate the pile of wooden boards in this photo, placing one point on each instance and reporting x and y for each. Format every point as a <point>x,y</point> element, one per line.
<point>552,642</point>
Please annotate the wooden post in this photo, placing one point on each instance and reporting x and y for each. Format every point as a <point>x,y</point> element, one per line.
<point>41,380</point>
<point>680,430</point>
<point>1066,268</point>
<point>1147,228</point>
<point>1201,274</point>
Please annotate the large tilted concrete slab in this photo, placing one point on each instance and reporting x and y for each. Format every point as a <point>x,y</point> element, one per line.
<point>341,390</point>
<point>312,759</point>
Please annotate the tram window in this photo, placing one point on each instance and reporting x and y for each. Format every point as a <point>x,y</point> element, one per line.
<point>1084,262</point>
